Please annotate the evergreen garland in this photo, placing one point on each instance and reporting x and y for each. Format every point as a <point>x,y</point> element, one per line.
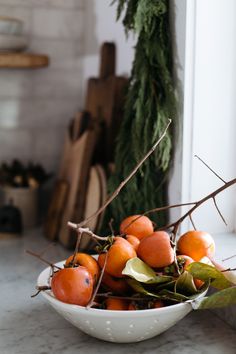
<point>150,102</point>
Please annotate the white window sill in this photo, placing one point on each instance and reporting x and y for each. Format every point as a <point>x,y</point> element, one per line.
<point>226,247</point>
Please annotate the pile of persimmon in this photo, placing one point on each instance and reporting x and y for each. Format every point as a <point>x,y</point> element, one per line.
<point>77,281</point>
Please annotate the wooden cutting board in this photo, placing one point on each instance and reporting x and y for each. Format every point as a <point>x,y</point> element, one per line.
<point>58,200</point>
<point>54,215</point>
<point>105,101</point>
<point>78,161</point>
<point>92,204</point>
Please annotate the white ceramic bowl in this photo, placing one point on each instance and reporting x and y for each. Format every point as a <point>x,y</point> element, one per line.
<point>10,42</point>
<point>10,25</point>
<point>116,326</point>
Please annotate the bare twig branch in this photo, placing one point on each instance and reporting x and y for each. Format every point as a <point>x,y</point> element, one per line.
<point>226,259</point>
<point>41,288</point>
<point>228,270</point>
<point>123,183</point>
<point>216,174</point>
<point>111,226</point>
<point>79,234</point>
<point>191,219</point>
<point>175,225</point>
<point>155,210</point>
<point>42,259</point>
<point>219,212</point>
<point>86,230</point>
<point>98,283</point>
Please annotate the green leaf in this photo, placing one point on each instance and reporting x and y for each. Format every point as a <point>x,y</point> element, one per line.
<point>140,271</point>
<point>163,294</point>
<point>140,289</point>
<point>185,284</point>
<point>206,272</point>
<point>220,299</point>
<point>168,285</point>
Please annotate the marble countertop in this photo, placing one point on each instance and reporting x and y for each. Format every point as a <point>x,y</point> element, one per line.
<point>30,326</point>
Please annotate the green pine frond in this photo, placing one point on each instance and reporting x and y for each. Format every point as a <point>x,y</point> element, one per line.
<point>150,102</point>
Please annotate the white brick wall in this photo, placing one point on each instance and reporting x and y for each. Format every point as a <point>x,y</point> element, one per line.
<point>36,105</point>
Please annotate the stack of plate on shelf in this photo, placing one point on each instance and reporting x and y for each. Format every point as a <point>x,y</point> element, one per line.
<point>11,37</point>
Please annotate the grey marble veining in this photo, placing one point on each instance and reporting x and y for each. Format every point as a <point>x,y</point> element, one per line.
<point>30,326</point>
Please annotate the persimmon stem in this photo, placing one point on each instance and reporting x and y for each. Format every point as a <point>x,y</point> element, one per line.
<point>125,181</point>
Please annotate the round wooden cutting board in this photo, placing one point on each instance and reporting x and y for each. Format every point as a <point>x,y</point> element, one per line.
<point>93,202</point>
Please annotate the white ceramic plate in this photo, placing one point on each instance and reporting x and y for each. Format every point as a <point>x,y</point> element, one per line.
<point>12,42</point>
<point>116,326</point>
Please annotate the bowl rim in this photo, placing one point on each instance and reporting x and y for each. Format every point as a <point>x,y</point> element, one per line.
<point>48,294</point>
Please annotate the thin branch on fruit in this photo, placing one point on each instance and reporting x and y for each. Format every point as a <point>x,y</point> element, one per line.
<point>219,212</point>
<point>123,183</point>
<point>98,283</point>
<point>79,235</point>
<point>216,174</point>
<point>87,231</point>
<point>191,220</point>
<point>111,226</point>
<point>155,210</point>
<point>47,248</point>
<point>36,255</point>
<point>226,259</point>
<point>228,270</point>
<point>41,288</point>
<point>175,225</point>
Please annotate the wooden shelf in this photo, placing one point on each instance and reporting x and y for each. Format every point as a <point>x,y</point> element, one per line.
<point>23,60</point>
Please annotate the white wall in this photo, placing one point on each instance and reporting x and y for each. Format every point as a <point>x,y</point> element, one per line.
<point>100,20</point>
<point>210,108</point>
<point>35,105</point>
<point>178,22</point>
